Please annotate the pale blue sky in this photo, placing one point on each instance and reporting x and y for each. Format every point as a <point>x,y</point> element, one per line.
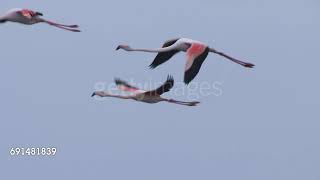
<point>264,126</point>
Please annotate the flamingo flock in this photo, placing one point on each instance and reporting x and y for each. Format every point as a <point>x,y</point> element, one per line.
<point>196,53</point>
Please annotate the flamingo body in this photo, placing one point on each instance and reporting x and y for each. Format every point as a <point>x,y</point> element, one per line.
<point>151,97</point>
<point>196,52</point>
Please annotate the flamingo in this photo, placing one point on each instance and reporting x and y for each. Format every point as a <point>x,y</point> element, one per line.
<point>29,17</point>
<point>196,51</point>
<point>153,96</point>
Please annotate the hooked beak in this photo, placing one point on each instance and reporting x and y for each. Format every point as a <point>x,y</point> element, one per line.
<point>119,47</point>
<point>93,94</point>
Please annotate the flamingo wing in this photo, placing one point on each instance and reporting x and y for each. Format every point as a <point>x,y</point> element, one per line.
<point>29,13</point>
<point>124,86</point>
<point>164,56</point>
<point>196,55</point>
<point>162,89</point>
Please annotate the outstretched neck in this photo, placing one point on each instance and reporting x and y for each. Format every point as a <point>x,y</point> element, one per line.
<point>104,94</point>
<point>158,50</point>
<point>119,96</point>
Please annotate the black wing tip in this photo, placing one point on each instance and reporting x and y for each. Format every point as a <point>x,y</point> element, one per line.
<point>186,83</point>
<point>165,87</point>
<point>187,80</point>
<point>170,78</point>
<point>118,81</point>
<point>152,66</point>
<point>170,81</point>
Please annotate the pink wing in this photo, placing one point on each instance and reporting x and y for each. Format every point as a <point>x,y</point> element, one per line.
<point>196,55</point>
<point>27,13</point>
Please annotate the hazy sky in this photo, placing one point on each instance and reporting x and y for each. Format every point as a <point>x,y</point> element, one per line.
<point>264,125</point>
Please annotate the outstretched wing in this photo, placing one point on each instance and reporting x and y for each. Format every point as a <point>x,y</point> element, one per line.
<point>164,56</point>
<point>162,89</point>
<point>29,13</point>
<point>196,55</point>
<point>124,86</point>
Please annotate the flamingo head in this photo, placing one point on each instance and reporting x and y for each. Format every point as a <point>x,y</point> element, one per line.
<point>100,94</point>
<point>125,47</point>
<point>3,19</point>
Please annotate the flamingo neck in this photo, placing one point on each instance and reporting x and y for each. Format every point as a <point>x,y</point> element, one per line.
<point>121,97</point>
<point>104,94</point>
<point>117,96</point>
<point>158,50</point>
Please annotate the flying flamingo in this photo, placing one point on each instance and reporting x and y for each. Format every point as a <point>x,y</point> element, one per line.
<point>196,51</point>
<point>153,96</point>
<point>29,17</point>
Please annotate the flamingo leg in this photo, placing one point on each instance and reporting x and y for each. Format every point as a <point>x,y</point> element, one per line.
<point>68,29</point>
<point>62,26</point>
<point>193,103</point>
<point>242,63</point>
<point>57,24</point>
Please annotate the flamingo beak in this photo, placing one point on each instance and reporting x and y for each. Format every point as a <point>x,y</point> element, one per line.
<point>93,94</point>
<point>119,47</point>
